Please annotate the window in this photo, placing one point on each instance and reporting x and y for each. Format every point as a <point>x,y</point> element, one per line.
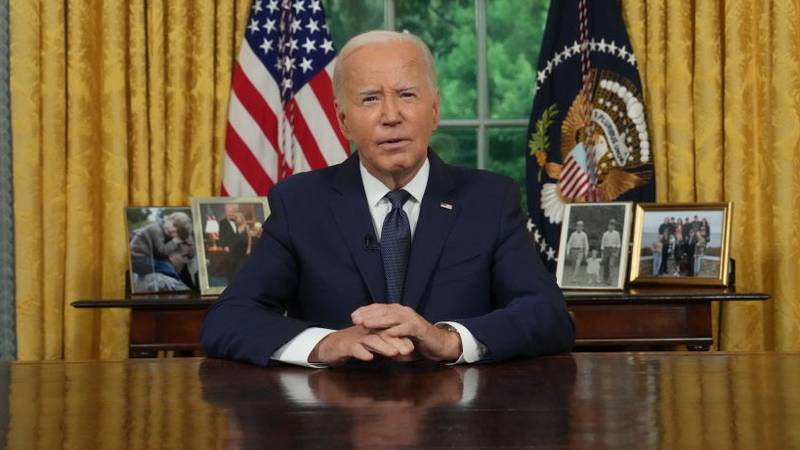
<point>485,53</point>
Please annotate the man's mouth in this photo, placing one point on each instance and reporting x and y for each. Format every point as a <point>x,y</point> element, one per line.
<point>393,142</point>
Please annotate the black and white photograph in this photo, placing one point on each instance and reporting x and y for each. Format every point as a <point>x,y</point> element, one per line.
<point>593,248</point>
<point>161,248</point>
<point>681,244</point>
<point>227,229</point>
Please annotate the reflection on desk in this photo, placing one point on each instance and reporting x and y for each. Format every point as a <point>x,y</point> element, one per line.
<point>633,400</point>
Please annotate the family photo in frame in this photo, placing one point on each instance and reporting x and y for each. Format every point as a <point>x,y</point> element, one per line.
<point>226,230</point>
<point>594,246</point>
<point>681,243</point>
<point>161,249</point>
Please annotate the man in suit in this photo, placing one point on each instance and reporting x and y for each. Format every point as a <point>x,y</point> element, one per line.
<point>392,254</point>
<point>228,229</point>
<point>233,240</point>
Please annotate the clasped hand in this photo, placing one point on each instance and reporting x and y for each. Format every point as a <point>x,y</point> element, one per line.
<point>390,330</point>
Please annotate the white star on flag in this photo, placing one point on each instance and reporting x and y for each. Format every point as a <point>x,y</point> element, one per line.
<point>306,65</point>
<point>253,27</point>
<point>327,46</point>
<point>266,45</point>
<point>309,45</point>
<point>295,26</point>
<point>312,26</point>
<point>269,25</point>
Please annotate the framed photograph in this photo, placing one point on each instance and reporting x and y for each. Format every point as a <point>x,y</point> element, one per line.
<point>593,251</point>
<point>161,249</point>
<point>681,243</point>
<point>226,230</point>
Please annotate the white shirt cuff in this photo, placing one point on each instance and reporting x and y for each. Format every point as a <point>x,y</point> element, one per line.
<point>297,350</point>
<point>470,350</point>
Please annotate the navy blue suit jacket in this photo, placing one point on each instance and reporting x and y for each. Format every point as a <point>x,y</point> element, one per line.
<point>317,262</point>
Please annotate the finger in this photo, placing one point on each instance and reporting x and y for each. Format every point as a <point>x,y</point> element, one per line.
<point>358,351</point>
<point>388,316</point>
<point>384,321</point>
<point>406,329</point>
<point>373,319</point>
<point>358,315</point>
<point>403,345</point>
<point>376,344</point>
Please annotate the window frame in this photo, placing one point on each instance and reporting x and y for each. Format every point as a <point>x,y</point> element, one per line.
<point>483,122</point>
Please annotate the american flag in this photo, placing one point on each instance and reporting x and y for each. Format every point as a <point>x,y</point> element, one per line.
<point>574,181</point>
<point>281,118</point>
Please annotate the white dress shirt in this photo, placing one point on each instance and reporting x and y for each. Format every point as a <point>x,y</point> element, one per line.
<point>298,349</point>
<point>610,239</point>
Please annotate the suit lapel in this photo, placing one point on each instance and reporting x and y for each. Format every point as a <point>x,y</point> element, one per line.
<point>433,227</point>
<point>349,206</point>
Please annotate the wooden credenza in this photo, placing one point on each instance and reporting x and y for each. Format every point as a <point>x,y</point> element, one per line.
<point>640,317</point>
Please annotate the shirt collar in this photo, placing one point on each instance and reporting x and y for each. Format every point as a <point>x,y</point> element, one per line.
<point>376,190</point>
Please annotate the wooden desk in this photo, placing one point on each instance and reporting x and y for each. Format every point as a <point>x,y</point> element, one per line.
<point>634,317</point>
<point>589,400</point>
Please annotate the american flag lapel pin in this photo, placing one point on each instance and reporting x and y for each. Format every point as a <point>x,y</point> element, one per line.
<point>446,205</point>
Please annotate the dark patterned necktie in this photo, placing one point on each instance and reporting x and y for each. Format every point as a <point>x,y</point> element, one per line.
<point>395,245</point>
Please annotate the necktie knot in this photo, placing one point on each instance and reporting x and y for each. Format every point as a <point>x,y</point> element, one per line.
<point>398,198</point>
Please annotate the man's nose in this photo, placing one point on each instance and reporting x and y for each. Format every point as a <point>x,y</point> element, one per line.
<point>391,111</point>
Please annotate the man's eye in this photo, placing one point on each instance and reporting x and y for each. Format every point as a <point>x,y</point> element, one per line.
<point>408,95</point>
<point>369,99</point>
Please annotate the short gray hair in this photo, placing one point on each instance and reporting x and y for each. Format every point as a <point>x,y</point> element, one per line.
<point>379,37</point>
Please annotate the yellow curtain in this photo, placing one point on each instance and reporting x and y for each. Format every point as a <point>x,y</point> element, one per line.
<point>116,103</point>
<point>722,86</point>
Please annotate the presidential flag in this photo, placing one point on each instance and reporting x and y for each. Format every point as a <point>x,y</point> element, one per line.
<point>587,137</point>
<point>281,117</point>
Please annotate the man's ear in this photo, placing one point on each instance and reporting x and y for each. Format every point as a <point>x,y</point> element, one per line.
<point>437,103</point>
<point>342,118</point>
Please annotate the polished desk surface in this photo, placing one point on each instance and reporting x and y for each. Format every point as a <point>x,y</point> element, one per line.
<point>583,400</point>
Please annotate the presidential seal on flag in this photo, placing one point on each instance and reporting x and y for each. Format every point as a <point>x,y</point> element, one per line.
<point>587,138</point>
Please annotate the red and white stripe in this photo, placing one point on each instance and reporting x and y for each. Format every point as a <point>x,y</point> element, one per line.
<point>574,181</point>
<point>254,159</point>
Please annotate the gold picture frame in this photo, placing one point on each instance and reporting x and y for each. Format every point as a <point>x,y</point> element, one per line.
<point>226,230</point>
<point>668,251</point>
